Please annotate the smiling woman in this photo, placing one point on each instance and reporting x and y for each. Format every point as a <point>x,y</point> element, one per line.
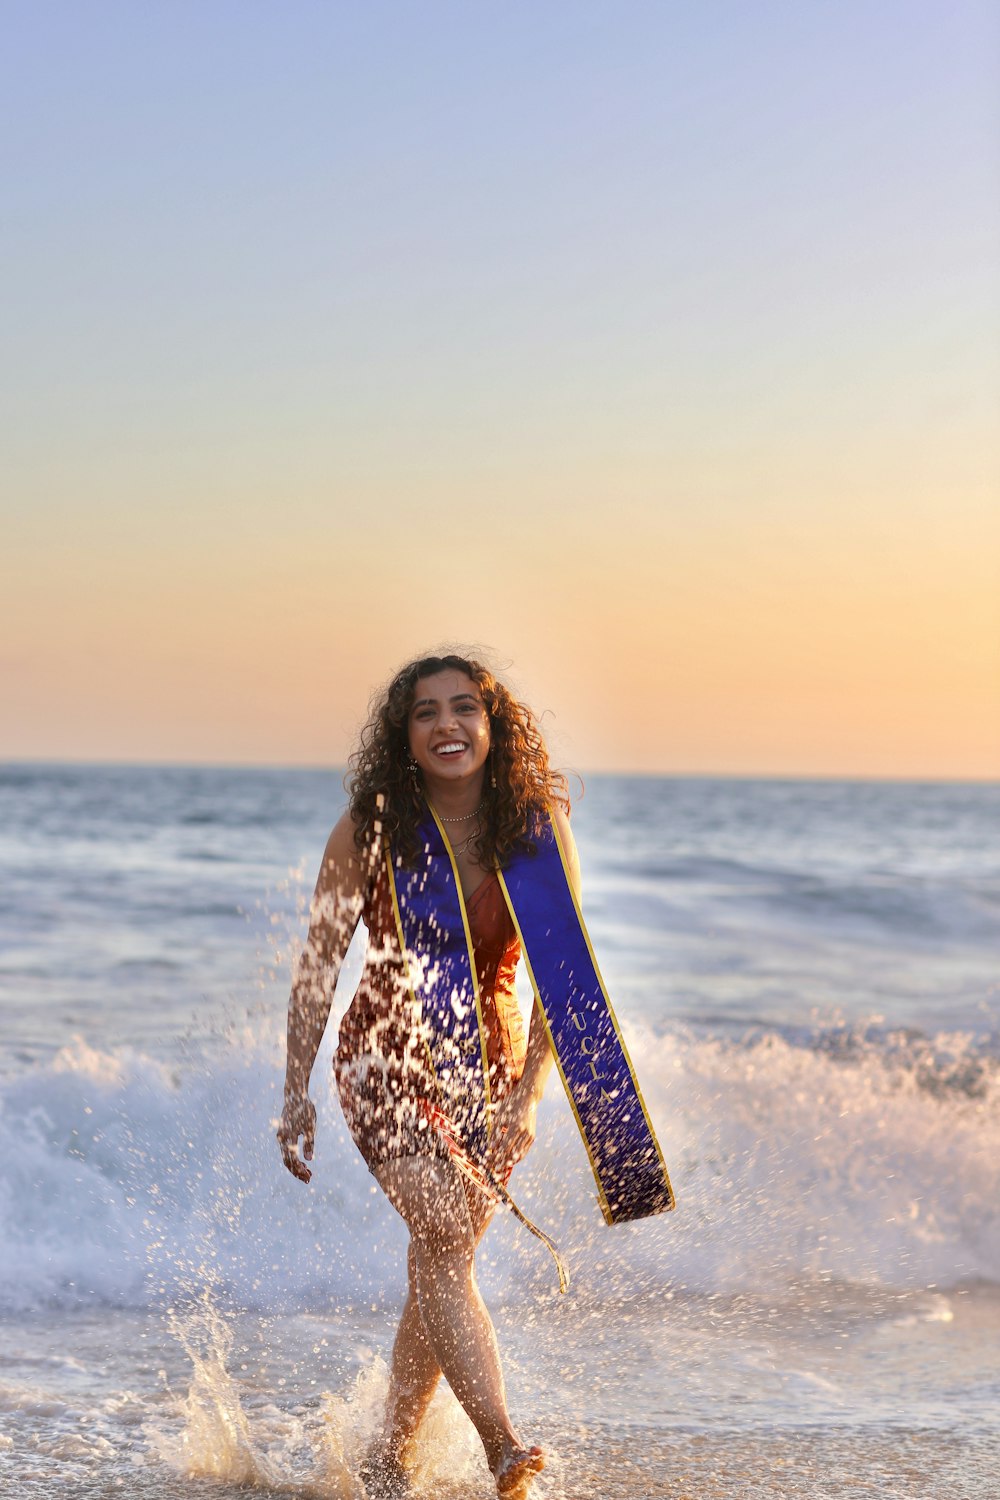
<point>446,738</point>
<point>456,849</point>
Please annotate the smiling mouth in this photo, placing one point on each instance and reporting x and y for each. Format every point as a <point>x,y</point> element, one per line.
<point>453,747</point>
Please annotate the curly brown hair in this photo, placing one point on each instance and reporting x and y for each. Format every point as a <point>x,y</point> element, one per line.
<point>383,788</point>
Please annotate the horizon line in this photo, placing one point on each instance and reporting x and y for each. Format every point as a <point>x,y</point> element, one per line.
<point>95,763</point>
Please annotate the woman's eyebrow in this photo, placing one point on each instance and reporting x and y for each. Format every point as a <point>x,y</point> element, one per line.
<point>458,698</point>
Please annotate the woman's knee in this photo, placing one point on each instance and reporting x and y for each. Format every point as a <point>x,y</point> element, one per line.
<point>437,1256</point>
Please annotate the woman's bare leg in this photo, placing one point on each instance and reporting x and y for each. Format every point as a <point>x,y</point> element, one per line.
<point>457,1332</point>
<point>415,1372</point>
<point>413,1375</point>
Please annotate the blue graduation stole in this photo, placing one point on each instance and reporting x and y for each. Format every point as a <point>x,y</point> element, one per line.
<point>433,929</point>
<point>435,938</point>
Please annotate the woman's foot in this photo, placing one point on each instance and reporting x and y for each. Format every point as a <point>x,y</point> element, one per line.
<point>383,1475</point>
<point>517,1469</point>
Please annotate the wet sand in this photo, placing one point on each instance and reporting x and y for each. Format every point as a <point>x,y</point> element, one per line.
<point>894,1464</point>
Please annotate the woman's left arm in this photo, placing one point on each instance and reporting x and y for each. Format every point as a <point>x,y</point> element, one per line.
<point>515,1120</point>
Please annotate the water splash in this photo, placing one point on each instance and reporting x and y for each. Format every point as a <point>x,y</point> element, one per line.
<point>220,1430</point>
<point>215,1440</point>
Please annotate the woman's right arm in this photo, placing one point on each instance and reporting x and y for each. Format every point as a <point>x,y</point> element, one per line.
<point>336,908</point>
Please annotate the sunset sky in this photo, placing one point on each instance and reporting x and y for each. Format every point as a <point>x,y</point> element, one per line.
<point>652,346</point>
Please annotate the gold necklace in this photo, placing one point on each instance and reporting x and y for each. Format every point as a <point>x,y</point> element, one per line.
<point>461,848</point>
<point>463,817</point>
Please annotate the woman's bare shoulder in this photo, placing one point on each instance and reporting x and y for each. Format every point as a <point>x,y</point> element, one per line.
<point>344,867</point>
<point>341,838</point>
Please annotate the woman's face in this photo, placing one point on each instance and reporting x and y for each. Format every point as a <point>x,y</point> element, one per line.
<point>449,727</point>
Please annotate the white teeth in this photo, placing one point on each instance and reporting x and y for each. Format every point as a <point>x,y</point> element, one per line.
<point>446,749</point>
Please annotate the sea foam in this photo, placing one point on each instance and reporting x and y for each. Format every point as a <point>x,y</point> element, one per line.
<point>853,1155</point>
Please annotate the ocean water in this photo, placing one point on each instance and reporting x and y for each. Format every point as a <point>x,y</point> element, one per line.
<point>808,978</point>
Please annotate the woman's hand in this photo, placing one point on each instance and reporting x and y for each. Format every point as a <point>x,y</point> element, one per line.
<point>515,1122</point>
<point>298,1118</point>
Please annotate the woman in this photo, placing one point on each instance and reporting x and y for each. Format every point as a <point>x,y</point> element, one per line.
<point>447,740</point>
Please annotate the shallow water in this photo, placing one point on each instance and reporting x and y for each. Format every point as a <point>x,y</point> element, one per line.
<point>807,978</point>
<point>717,1399</point>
